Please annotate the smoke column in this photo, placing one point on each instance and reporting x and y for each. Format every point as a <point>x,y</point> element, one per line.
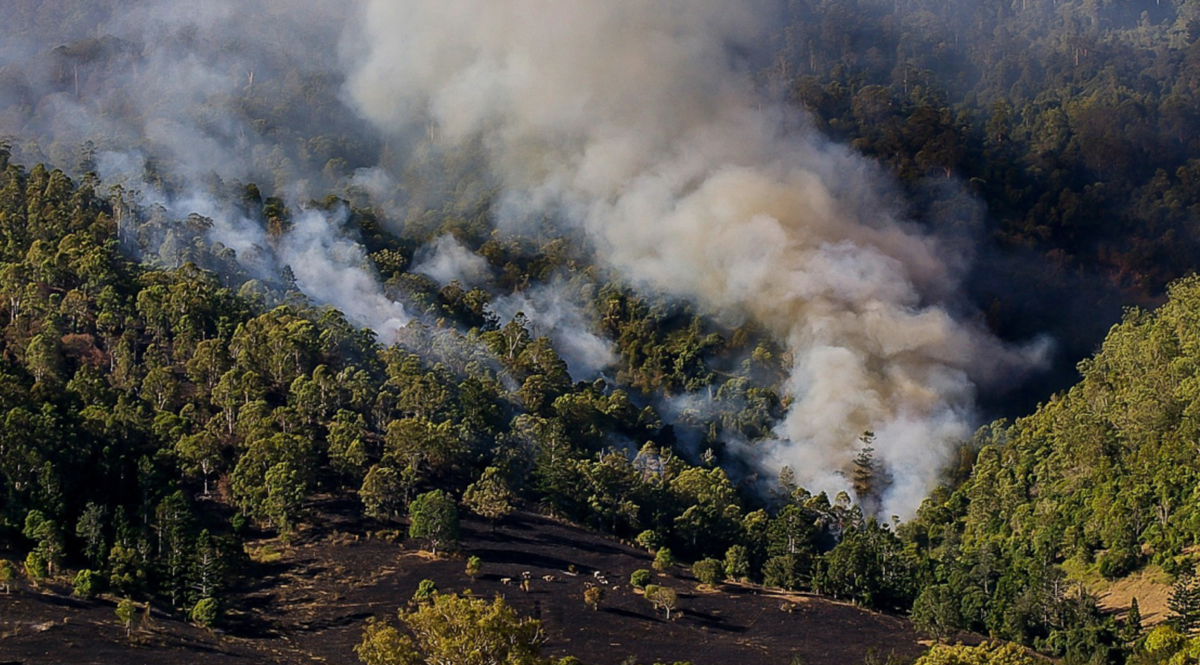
<point>634,122</point>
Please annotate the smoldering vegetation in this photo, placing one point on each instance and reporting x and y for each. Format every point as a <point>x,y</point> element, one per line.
<point>462,140</point>
<point>638,126</point>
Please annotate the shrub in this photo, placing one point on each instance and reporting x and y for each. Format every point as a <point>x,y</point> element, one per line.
<point>8,574</point>
<point>650,540</point>
<point>708,571</point>
<point>207,612</point>
<point>474,567</point>
<point>36,566</point>
<point>127,614</point>
<point>425,590</point>
<point>87,584</point>
<point>592,596</point>
<point>640,578</point>
<point>664,560</point>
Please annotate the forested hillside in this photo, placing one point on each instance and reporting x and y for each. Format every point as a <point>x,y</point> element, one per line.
<point>1101,478</point>
<point>229,293</point>
<point>153,414</point>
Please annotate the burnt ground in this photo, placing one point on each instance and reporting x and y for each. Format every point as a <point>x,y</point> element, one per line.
<point>307,603</point>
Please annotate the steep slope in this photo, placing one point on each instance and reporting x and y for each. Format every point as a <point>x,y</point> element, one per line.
<point>1096,484</point>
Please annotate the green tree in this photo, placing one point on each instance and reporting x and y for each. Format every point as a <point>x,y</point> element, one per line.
<point>173,526</point>
<point>1184,603</point>
<point>44,359</point>
<point>207,575</point>
<point>489,497</point>
<point>869,482</point>
<point>90,529</point>
<point>127,569</point>
<point>8,574</point>
<point>127,613</point>
<point>662,598</point>
<point>869,567</point>
<point>936,612</point>
<point>640,578</point>
<point>385,490</point>
<point>737,563</point>
<point>429,448</point>
<point>458,630</point>
<point>287,488</point>
<point>474,567</point>
<point>36,567</point>
<point>708,571</point>
<point>201,454</point>
<point>434,518</point>
<point>50,548</point>
<point>663,560</point>
<point>1131,628</point>
<point>784,572</point>
<point>87,584</point>
<point>347,450</point>
<point>273,477</point>
<point>650,539</point>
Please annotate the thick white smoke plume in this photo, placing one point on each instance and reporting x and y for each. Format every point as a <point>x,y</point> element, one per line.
<point>632,120</point>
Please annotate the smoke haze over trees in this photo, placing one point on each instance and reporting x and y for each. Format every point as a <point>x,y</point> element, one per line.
<point>548,127</point>
<point>684,151</point>
<point>634,268</point>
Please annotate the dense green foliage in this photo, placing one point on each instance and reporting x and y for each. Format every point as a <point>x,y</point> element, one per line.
<point>1103,477</point>
<point>984,654</point>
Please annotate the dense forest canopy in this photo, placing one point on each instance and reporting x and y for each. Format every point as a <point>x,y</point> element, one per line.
<point>253,253</point>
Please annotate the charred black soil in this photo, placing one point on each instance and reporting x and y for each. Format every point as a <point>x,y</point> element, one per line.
<point>307,603</point>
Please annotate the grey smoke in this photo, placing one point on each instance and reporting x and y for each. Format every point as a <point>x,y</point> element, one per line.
<point>176,98</point>
<point>332,269</point>
<point>553,313</point>
<point>446,260</point>
<point>176,80</point>
<point>632,121</point>
<point>328,264</point>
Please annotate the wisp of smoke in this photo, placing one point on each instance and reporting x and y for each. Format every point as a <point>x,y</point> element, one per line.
<point>328,265</point>
<point>446,260</point>
<point>634,122</point>
<point>554,314</point>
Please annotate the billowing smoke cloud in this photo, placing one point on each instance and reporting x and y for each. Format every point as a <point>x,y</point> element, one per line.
<point>635,122</point>
<point>187,84</point>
